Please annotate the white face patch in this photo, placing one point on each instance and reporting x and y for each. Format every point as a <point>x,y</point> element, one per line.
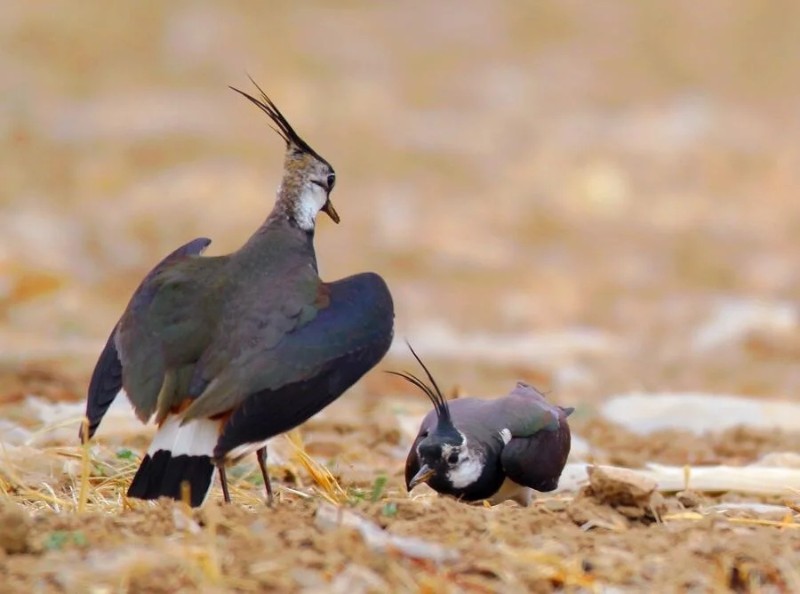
<point>310,202</point>
<point>448,449</point>
<point>468,468</point>
<point>466,471</point>
<point>505,435</point>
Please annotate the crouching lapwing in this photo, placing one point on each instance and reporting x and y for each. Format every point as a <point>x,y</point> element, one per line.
<point>225,352</point>
<point>474,449</point>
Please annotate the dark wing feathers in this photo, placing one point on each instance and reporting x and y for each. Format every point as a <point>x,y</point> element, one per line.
<point>540,436</point>
<point>104,386</point>
<point>145,291</point>
<point>106,379</point>
<point>240,359</point>
<point>537,461</point>
<point>166,323</point>
<point>316,363</point>
<point>527,411</point>
<point>540,442</point>
<point>358,314</point>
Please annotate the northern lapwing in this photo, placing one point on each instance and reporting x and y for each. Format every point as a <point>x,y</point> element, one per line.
<point>475,449</point>
<point>226,352</point>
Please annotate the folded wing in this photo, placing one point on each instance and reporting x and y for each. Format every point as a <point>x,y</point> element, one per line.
<point>106,381</point>
<point>540,439</point>
<point>166,326</point>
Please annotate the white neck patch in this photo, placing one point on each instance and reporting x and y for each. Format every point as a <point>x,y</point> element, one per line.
<point>308,205</point>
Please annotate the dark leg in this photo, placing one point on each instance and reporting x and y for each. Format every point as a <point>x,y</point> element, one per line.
<point>261,454</point>
<point>224,480</point>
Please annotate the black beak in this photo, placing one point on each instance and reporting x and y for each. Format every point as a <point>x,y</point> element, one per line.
<point>330,211</point>
<point>423,475</point>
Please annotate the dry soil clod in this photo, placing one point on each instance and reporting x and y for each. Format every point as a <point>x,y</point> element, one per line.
<point>15,531</point>
<point>620,486</point>
<point>614,494</point>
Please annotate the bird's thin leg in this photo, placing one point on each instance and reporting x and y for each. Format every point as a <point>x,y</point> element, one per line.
<point>261,454</point>
<point>224,481</point>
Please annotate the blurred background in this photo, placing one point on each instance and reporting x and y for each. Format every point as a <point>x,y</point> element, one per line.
<point>595,197</point>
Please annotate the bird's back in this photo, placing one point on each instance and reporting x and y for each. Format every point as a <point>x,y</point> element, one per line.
<point>529,436</point>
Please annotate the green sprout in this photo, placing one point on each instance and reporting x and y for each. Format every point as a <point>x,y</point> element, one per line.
<point>125,454</point>
<point>55,541</point>
<point>377,488</point>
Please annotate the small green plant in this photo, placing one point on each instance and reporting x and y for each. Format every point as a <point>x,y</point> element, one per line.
<point>125,454</point>
<point>389,509</point>
<point>99,469</point>
<point>356,495</point>
<point>55,541</point>
<point>255,478</point>
<point>239,472</point>
<point>377,488</point>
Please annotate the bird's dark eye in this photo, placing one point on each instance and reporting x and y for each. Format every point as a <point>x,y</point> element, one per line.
<point>424,434</point>
<point>452,458</point>
<point>331,181</point>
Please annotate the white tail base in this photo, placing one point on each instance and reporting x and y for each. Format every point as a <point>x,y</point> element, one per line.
<point>195,438</point>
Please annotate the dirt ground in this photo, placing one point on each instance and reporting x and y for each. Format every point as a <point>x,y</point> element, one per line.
<point>597,198</point>
<point>314,539</point>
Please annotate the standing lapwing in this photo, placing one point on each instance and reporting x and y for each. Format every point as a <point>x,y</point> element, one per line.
<point>475,449</point>
<point>227,351</point>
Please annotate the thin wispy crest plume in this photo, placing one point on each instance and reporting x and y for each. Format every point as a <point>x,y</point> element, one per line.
<point>432,392</point>
<point>283,129</point>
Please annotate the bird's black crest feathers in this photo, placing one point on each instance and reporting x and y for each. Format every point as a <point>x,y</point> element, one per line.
<point>284,129</point>
<point>432,392</point>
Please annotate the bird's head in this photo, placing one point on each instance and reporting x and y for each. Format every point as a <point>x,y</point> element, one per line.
<point>308,179</point>
<point>441,455</point>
